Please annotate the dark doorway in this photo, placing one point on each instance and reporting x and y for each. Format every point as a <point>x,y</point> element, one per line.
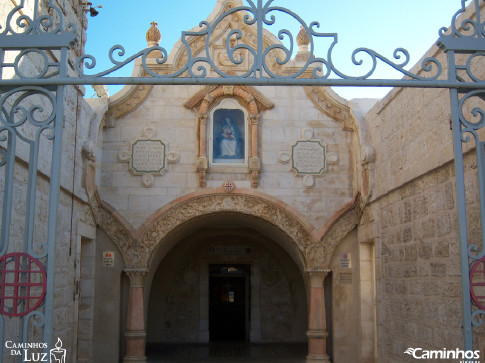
<point>229,302</point>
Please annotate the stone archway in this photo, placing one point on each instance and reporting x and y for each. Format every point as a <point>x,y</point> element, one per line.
<point>139,249</point>
<point>247,202</point>
<point>311,249</point>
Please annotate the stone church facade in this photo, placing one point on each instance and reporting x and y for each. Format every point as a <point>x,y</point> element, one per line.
<point>261,214</point>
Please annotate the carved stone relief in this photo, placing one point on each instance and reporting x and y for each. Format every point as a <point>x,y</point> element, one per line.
<point>319,254</point>
<point>134,254</point>
<point>137,250</point>
<point>129,103</point>
<point>244,204</point>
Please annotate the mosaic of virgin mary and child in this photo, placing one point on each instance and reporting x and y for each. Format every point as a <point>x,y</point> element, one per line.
<point>228,139</point>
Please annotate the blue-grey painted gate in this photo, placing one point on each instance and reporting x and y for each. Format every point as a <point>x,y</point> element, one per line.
<point>34,100</point>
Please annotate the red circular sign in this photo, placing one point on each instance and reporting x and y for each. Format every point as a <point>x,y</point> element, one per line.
<point>22,284</point>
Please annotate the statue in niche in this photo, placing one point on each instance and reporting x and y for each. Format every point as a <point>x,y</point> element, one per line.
<point>228,136</point>
<point>229,147</point>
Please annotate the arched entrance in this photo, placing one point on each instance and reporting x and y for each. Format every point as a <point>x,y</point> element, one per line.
<point>226,280</point>
<point>271,225</point>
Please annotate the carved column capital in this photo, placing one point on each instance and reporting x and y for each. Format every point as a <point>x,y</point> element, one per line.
<point>317,276</point>
<point>137,276</point>
<point>203,118</point>
<point>254,118</point>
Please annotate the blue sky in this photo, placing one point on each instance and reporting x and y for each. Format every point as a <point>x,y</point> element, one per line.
<point>382,25</point>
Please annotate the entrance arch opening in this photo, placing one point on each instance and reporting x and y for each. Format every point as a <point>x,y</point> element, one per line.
<point>226,278</point>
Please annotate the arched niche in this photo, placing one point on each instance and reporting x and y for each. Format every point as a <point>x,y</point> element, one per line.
<point>205,102</point>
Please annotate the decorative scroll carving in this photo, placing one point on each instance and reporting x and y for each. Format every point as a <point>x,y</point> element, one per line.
<point>130,101</point>
<point>343,222</point>
<point>331,107</point>
<point>278,216</point>
<point>134,253</point>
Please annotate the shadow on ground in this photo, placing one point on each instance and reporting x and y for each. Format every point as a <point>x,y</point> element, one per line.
<point>227,352</point>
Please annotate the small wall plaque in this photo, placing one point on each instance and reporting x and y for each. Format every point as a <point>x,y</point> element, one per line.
<point>147,156</point>
<point>229,250</point>
<point>346,260</point>
<point>308,157</point>
<point>108,259</point>
<point>346,278</point>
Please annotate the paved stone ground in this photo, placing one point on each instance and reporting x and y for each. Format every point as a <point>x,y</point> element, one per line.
<point>227,352</point>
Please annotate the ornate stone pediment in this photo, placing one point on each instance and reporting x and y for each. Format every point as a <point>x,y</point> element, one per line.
<point>222,38</point>
<point>330,106</point>
<point>128,103</point>
<point>246,94</point>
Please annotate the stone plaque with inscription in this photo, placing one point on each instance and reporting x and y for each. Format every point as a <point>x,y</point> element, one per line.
<point>229,250</point>
<point>147,156</point>
<point>308,157</point>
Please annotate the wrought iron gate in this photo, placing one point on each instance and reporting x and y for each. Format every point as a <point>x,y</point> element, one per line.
<point>32,113</point>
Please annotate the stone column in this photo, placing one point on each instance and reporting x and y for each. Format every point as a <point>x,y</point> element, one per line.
<point>254,160</point>
<point>135,334</point>
<point>317,334</point>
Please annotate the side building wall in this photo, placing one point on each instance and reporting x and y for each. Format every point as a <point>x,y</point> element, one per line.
<point>412,220</point>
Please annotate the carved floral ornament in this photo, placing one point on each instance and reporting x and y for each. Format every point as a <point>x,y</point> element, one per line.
<point>138,247</point>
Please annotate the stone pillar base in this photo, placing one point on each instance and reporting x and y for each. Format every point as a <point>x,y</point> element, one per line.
<point>317,358</point>
<point>130,359</point>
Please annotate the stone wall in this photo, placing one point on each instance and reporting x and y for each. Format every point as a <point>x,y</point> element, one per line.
<point>412,219</point>
<point>164,112</point>
<point>346,303</point>
<point>418,267</point>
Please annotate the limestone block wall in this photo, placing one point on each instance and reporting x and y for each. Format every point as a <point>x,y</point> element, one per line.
<point>417,264</point>
<point>163,111</point>
<point>412,220</point>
